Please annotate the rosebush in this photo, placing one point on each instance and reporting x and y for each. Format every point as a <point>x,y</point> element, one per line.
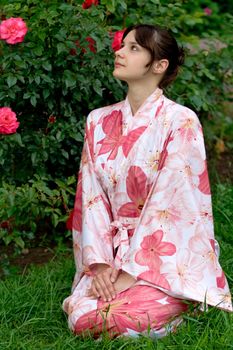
<point>62,69</point>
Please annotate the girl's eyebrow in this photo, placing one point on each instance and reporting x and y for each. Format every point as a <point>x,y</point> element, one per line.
<point>131,42</point>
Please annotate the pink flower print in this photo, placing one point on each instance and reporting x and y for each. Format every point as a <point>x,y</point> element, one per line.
<point>155,277</point>
<point>184,273</point>
<point>89,255</point>
<point>148,158</point>
<point>137,309</point>
<point>204,249</point>
<point>221,281</point>
<point>129,140</point>
<point>90,139</point>
<point>152,162</point>
<point>107,207</point>
<point>13,30</point>
<point>90,201</point>
<point>215,245</point>
<point>77,213</point>
<point>169,209</point>
<point>112,127</point>
<point>218,297</point>
<point>206,213</point>
<point>158,111</point>
<point>152,248</point>
<point>84,156</point>
<point>187,131</point>
<point>204,185</point>
<point>112,176</point>
<point>97,225</point>
<point>164,153</point>
<point>191,166</point>
<point>137,190</point>
<point>78,307</point>
<point>96,254</point>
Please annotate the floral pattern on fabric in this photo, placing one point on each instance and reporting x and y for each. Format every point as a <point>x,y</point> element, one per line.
<point>143,203</point>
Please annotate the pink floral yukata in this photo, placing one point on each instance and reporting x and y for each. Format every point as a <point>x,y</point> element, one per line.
<point>143,205</point>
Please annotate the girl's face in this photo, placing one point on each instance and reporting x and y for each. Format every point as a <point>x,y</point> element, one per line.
<point>131,60</point>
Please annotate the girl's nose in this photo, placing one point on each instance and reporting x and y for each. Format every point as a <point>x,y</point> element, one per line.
<point>120,52</point>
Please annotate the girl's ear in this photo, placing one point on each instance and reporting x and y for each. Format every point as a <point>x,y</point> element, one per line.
<point>159,67</point>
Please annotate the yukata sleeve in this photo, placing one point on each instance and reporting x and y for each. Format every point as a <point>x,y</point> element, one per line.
<point>173,247</point>
<point>92,239</point>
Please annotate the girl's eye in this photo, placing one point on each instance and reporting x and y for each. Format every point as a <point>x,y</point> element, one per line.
<point>134,47</point>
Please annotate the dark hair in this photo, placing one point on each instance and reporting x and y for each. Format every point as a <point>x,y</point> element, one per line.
<point>162,45</point>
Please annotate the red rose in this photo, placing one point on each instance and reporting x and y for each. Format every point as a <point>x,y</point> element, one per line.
<point>52,119</point>
<point>5,224</point>
<point>91,46</point>
<point>8,121</point>
<point>117,39</point>
<point>13,30</point>
<point>88,3</point>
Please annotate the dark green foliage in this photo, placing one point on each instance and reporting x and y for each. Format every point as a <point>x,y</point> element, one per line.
<point>55,77</point>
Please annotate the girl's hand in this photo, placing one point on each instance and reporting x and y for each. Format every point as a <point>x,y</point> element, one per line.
<point>103,282</point>
<point>123,282</point>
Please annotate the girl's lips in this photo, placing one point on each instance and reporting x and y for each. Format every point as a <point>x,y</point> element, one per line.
<point>118,65</point>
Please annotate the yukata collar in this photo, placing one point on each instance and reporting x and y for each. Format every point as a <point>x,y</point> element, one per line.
<point>151,100</point>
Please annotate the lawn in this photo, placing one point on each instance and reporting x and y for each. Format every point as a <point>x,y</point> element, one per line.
<point>30,304</point>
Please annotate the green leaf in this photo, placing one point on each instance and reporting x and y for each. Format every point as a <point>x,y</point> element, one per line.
<point>65,154</point>
<point>33,158</point>
<point>46,93</point>
<point>47,66</point>
<point>33,100</point>
<point>19,242</point>
<point>21,78</point>
<point>37,80</point>
<point>38,50</point>
<point>11,80</point>
<point>70,79</point>
<point>18,139</point>
<point>61,48</point>
<point>26,95</point>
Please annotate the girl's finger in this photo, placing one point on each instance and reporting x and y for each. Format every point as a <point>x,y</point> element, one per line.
<point>102,289</point>
<point>94,290</point>
<point>114,275</point>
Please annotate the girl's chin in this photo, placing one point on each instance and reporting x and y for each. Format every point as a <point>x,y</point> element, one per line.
<point>117,75</point>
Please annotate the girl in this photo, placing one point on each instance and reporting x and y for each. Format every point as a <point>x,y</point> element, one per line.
<point>142,229</point>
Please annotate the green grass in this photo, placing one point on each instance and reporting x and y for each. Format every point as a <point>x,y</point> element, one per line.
<point>31,317</point>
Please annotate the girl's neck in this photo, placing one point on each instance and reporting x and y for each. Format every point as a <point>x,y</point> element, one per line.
<point>138,94</point>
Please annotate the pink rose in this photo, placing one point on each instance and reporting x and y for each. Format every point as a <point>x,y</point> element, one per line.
<point>88,3</point>
<point>208,11</point>
<point>117,39</point>
<point>8,121</point>
<point>13,30</point>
